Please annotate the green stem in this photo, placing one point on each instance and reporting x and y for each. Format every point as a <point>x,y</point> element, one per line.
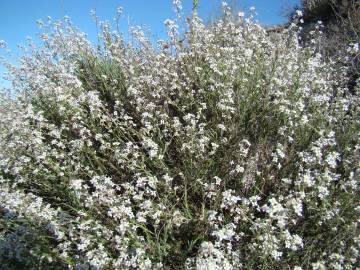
<point>195,7</point>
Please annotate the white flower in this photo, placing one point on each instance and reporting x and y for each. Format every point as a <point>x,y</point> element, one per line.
<point>323,191</point>
<point>332,159</point>
<point>119,10</point>
<point>169,22</point>
<point>356,47</point>
<point>318,265</point>
<point>293,242</point>
<point>3,44</point>
<point>226,233</point>
<point>221,127</point>
<point>167,179</point>
<point>248,53</point>
<point>239,169</point>
<point>276,254</point>
<point>76,184</point>
<point>299,13</point>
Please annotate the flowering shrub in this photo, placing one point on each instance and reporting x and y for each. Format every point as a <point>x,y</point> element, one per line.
<point>223,148</point>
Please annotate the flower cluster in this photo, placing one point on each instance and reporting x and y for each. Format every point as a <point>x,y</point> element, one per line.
<point>227,147</point>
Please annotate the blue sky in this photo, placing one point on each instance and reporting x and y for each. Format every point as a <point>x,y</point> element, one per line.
<point>18,17</point>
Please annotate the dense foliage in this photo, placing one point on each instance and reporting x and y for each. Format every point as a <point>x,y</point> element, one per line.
<point>227,147</point>
<point>341,29</point>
